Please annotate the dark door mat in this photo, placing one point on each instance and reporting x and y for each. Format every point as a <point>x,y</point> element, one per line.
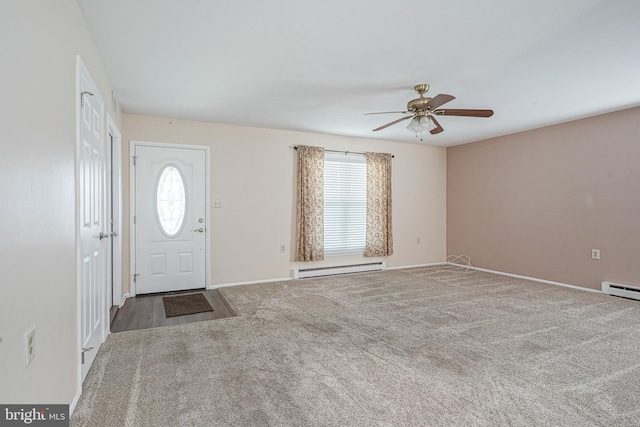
<point>183,305</point>
<point>147,311</point>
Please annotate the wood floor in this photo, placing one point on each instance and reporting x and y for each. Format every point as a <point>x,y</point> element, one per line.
<point>147,311</point>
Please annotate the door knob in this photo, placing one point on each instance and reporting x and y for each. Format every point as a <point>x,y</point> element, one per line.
<point>103,235</point>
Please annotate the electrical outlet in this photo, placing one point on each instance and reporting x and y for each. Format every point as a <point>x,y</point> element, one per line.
<point>217,203</point>
<point>595,253</point>
<point>30,346</point>
<point>283,248</point>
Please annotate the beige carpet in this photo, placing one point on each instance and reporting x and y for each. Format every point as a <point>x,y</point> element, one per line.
<point>404,347</point>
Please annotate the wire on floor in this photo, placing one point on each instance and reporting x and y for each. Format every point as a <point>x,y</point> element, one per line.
<point>456,264</point>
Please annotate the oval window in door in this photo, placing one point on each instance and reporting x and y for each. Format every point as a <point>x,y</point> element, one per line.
<point>171,200</point>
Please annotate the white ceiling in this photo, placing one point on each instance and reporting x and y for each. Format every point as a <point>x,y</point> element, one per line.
<point>318,66</point>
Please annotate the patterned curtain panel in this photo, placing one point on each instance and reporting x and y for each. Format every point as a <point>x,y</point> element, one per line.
<point>310,204</point>
<point>379,230</point>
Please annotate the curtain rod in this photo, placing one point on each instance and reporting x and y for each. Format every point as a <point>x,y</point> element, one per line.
<point>295,147</point>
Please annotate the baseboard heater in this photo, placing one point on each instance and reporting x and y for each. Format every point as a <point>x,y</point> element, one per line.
<point>302,273</point>
<point>619,290</point>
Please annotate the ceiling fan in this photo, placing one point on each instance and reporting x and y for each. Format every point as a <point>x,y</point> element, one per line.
<point>422,112</point>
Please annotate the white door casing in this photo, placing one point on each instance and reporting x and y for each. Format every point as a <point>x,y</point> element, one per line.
<point>91,214</point>
<point>170,218</point>
<point>114,198</point>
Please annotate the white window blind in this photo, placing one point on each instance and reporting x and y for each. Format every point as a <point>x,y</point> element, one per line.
<point>345,203</point>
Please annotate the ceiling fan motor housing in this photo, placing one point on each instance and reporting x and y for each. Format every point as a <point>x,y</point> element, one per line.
<point>418,104</point>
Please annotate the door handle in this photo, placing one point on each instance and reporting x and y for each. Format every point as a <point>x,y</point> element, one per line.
<point>114,233</point>
<point>199,230</point>
<point>103,235</point>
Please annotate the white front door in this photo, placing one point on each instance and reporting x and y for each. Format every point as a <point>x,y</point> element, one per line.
<point>91,212</point>
<point>169,219</point>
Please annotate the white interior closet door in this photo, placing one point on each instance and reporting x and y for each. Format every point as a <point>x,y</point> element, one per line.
<point>91,216</point>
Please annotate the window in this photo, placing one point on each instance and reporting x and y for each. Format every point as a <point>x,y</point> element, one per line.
<point>345,203</point>
<point>170,201</point>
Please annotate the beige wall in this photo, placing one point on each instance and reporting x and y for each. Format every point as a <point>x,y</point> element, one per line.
<point>40,40</point>
<point>536,203</point>
<point>252,171</point>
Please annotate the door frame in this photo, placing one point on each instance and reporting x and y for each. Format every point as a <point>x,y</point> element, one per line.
<point>132,204</point>
<point>114,204</point>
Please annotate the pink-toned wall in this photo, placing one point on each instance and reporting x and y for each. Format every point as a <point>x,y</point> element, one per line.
<point>536,203</point>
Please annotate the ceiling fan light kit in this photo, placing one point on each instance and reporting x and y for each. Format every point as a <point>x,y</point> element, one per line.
<point>421,124</point>
<point>422,112</point>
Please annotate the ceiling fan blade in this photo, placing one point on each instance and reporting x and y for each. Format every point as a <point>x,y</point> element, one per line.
<point>438,128</point>
<point>465,113</point>
<point>392,123</point>
<point>389,112</point>
<point>439,100</point>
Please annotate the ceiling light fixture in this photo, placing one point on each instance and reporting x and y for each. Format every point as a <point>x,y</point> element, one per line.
<point>421,124</point>
<point>423,111</point>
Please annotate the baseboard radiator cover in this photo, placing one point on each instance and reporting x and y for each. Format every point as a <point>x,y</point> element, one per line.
<point>303,273</point>
<point>626,291</point>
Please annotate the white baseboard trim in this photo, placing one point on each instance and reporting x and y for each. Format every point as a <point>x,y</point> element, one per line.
<point>534,279</point>
<point>501,273</point>
<point>431,264</point>
<point>251,282</point>
<point>282,279</point>
<point>74,402</point>
<point>124,298</point>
